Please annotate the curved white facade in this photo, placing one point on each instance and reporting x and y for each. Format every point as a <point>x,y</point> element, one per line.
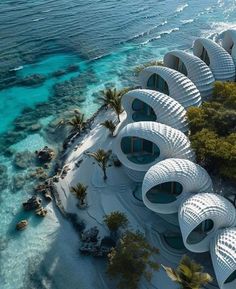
<point>193,178</point>
<point>201,216</point>
<point>223,255</point>
<point>220,61</point>
<point>181,88</point>
<point>196,69</point>
<point>229,43</point>
<point>167,110</point>
<point>171,143</point>
<point>160,156</point>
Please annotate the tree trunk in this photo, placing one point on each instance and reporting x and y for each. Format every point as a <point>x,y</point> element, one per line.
<point>104,174</point>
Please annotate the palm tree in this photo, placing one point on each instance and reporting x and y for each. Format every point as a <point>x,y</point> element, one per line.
<point>188,274</point>
<point>114,221</point>
<point>109,124</point>
<point>117,107</point>
<point>109,95</point>
<point>77,123</point>
<point>102,157</point>
<point>80,192</point>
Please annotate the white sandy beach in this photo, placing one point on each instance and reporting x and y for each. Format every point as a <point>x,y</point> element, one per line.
<point>105,197</point>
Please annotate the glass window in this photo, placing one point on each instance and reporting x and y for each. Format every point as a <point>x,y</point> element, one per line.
<point>126,145</point>
<point>231,278</point>
<point>137,145</point>
<point>156,82</point>
<point>147,146</point>
<point>204,56</point>
<point>137,105</point>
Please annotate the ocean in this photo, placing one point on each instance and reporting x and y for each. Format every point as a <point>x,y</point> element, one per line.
<point>106,40</point>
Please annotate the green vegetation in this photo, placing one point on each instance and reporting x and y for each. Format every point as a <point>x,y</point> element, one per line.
<point>213,131</point>
<point>102,158</point>
<point>189,274</point>
<point>139,68</point>
<point>115,220</point>
<point>112,98</point>
<point>117,107</point>
<point>110,125</point>
<point>77,123</point>
<point>80,192</point>
<point>130,260</point>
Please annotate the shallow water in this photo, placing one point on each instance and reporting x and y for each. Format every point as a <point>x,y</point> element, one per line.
<point>107,40</point>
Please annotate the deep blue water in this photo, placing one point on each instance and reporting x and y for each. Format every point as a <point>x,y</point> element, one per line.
<point>107,40</point>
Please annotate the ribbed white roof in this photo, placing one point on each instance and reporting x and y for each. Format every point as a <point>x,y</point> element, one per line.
<point>223,255</point>
<point>197,70</point>
<point>171,142</point>
<point>168,111</point>
<point>199,208</point>
<point>221,63</point>
<point>180,87</point>
<point>229,43</point>
<point>192,177</point>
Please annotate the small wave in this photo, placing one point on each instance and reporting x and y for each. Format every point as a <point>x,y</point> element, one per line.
<point>46,11</point>
<point>169,31</point>
<point>38,19</point>
<point>218,28</point>
<point>17,68</point>
<point>160,35</point>
<point>145,33</point>
<point>150,40</point>
<point>187,21</point>
<point>181,7</point>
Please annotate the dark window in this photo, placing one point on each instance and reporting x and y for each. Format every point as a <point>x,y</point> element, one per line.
<point>165,192</point>
<point>231,278</point>
<point>205,57</point>
<point>156,82</point>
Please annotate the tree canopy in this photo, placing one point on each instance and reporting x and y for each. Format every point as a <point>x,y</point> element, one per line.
<point>213,131</point>
<point>130,260</point>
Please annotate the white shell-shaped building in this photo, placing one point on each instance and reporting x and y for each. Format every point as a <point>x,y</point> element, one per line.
<point>172,83</point>
<point>140,145</point>
<point>215,56</point>
<point>223,255</point>
<point>192,67</point>
<point>171,181</point>
<point>154,150</point>
<point>150,105</point>
<point>229,43</point>
<point>201,216</point>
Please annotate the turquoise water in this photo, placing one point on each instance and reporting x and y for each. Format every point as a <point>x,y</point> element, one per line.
<point>106,40</point>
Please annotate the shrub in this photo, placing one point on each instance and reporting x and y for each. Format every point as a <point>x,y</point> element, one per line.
<point>115,220</point>
<point>130,260</point>
<point>213,127</point>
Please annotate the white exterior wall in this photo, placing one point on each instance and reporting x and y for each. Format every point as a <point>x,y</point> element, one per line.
<point>199,208</point>
<point>181,88</point>
<point>171,143</point>
<point>167,110</point>
<point>221,62</point>
<point>223,255</point>
<point>197,71</point>
<point>193,178</point>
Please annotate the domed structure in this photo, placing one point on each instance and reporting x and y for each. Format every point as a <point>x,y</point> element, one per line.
<point>171,181</point>
<point>172,83</point>
<point>215,56</point>
<point>229,43</point>
<point>192,67</point>
<point>140,145</point>
<point>150,105</point>
<point>223,255</point>
<point>201,216</point>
